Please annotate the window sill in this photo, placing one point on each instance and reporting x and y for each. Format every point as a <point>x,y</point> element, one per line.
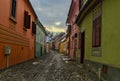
<point>24,29</point>
<point>13,19</point>
<point>97,51</point>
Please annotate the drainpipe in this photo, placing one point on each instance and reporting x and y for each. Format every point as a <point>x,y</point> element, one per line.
<point>7,61</point>
<point>7,53</point>
<point>99,73</point>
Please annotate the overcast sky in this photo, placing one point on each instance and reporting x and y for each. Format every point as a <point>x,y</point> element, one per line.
<point>52,13</point>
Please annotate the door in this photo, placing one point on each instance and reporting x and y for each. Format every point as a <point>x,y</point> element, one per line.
<point>82,47</point>
<point>75,48</point>
<point>41,51</point>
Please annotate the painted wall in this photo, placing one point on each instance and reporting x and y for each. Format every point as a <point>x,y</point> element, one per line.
<point>73,12</point>
<point>110,30</point>
<point>61,47</point>
<point>47,45</point>
<point>40,40</point>
<point>12,34</point>
<point>110,52</point>
<point>67,47</point>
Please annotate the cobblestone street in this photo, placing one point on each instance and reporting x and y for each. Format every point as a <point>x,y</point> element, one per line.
<point>51,67</point>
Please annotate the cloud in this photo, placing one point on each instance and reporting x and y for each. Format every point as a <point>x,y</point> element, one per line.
<point>57,23</point>
<point>55,29</point>
<point>52,12</point>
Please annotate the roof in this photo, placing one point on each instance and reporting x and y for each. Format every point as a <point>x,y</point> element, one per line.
<point>90,4</point>
<point>69,10</point>
<point>32,8</point>
<point>41,26</point>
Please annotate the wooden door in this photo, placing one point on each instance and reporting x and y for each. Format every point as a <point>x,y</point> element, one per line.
<point>82,47</point>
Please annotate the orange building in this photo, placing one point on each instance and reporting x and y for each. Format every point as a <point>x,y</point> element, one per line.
<point>17,30</point>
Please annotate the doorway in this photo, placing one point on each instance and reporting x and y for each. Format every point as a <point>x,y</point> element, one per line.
<point>41,51</point>
<point>75,48</point>
<point>82,47</point>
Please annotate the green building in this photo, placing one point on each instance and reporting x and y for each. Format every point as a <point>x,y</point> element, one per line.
<point>99,27</point>
<point>40,39</point>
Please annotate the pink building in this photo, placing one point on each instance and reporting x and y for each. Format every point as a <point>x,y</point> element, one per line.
<point>57,40</point>
<point>72,15</point>
<point>47,45</point>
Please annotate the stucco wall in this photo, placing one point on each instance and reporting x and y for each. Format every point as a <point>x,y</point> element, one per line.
<point>110,52</point>
<point>40,41</point>
<point>12,34</point>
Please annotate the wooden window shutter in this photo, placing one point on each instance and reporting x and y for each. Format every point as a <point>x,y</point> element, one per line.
<point>97,23</point>
<point>98,31</point>
<point>33,28</point>
<point>28,21</point>
<point>94,33</point>
<point>96,40</point>
<point>25,18</point>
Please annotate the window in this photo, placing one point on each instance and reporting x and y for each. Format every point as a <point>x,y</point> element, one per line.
<point>27,20</point>
<point>33,28</point>
<point>13,9</point>
<point>96,34</point>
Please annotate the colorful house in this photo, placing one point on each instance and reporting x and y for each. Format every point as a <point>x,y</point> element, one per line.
<point>68,39</point>
<point>53,45</point>
<point>47,44</point>
<point>62,44</point>
<point>40,39</point>
<point>73,12</point>
<point>16,32</point>
<point>57,40</point>
<point>61,47</point>
<point>98,22</point>
<point>67,45</point>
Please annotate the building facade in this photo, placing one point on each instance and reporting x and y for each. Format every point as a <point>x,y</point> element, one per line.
<point>47,44</point>
<point>40,39</point>
<point>99,28</point>
<point>62,44</point>
<point>73,12</point>
<point>16,34</point>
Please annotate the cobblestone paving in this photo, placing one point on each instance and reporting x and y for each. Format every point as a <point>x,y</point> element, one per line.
<point>51,67</point>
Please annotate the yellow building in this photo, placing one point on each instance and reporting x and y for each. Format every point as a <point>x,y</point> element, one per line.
<point>61,47</point>
<point>67,46</point>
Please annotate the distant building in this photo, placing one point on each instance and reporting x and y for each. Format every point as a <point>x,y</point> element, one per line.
<point>57,40</point>
<point>17,32</point>
<point>62,44</point>
<point>47,44</point>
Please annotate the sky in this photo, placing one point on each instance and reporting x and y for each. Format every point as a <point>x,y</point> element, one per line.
<point>52,13</point>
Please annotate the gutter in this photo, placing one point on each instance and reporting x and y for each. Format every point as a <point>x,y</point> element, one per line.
<point>32,8</point>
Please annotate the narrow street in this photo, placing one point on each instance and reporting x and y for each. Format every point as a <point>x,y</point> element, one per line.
<point>51,67</point>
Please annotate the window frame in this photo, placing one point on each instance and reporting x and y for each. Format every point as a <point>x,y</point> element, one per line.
<point>33,27</point>
<point>96,32</point>
<point>13,9</point>
<point>97,26</point>
<point>27,20</point>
